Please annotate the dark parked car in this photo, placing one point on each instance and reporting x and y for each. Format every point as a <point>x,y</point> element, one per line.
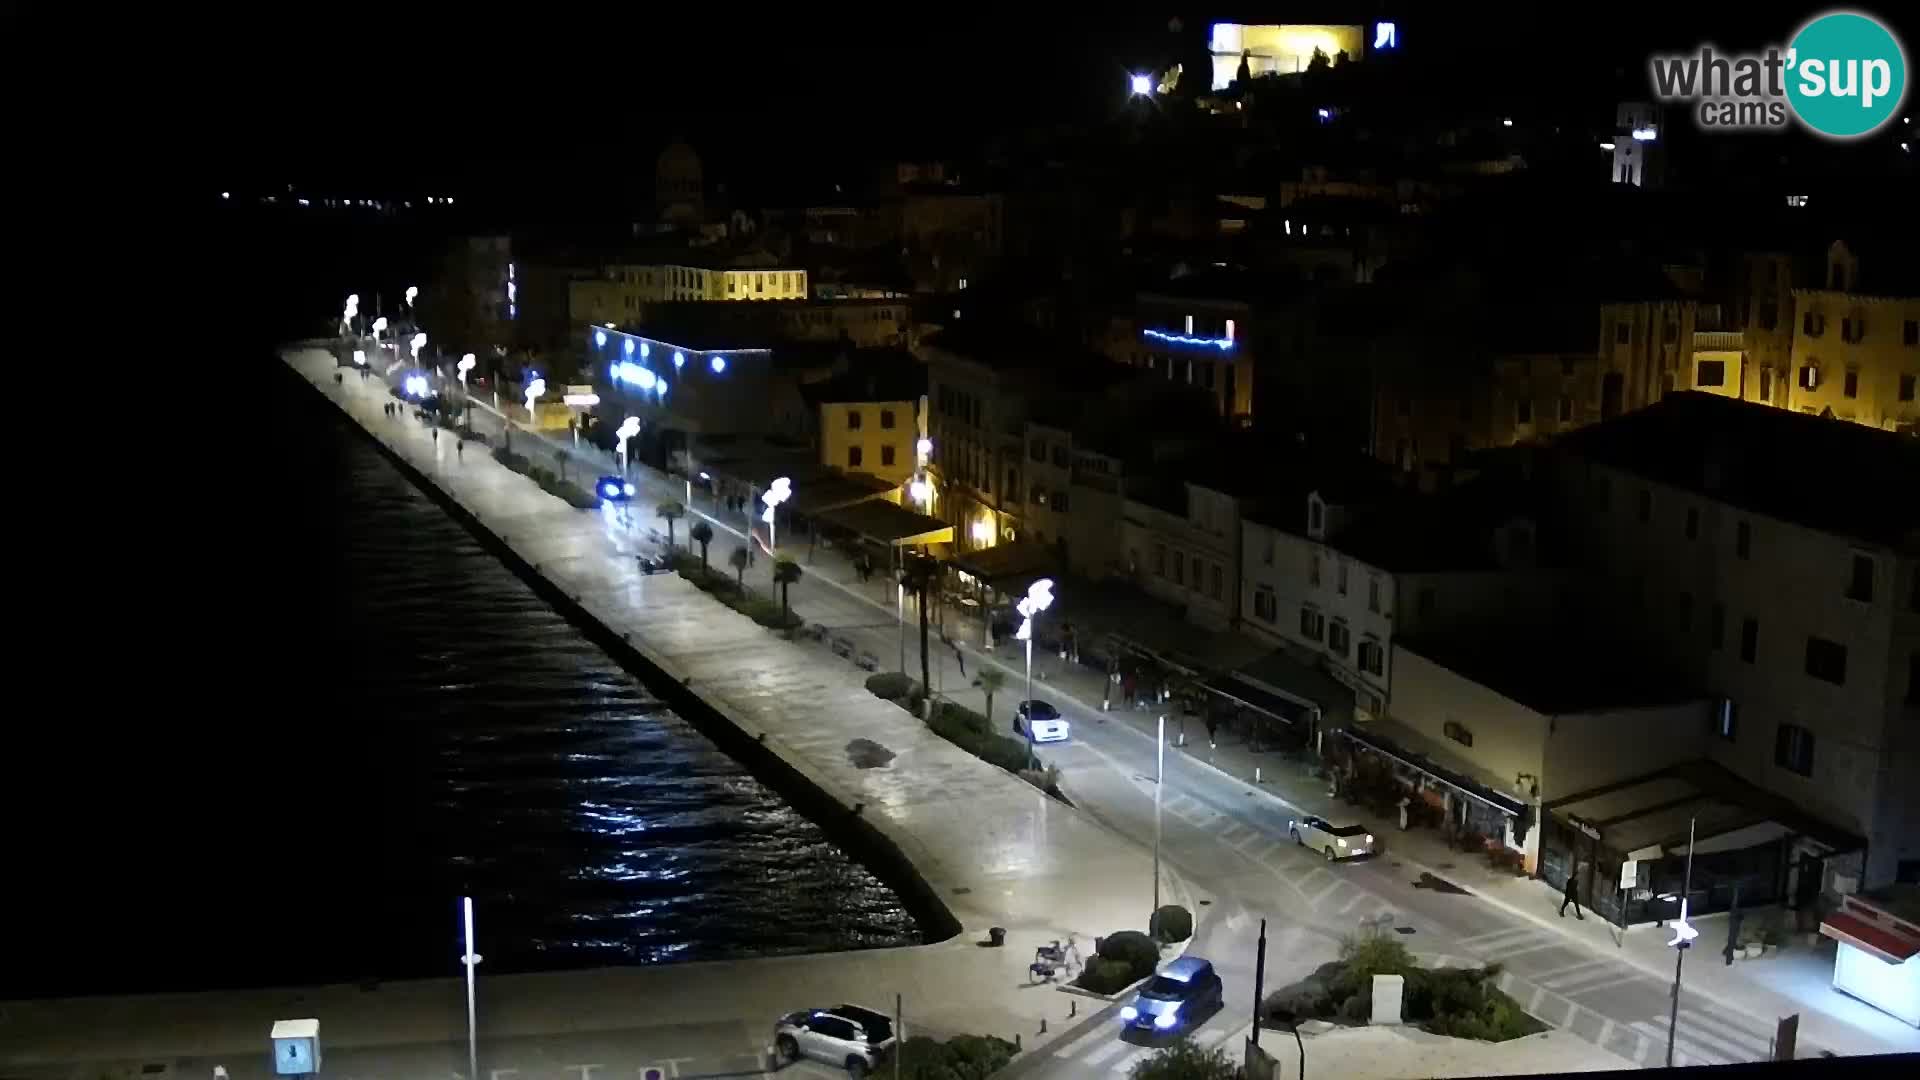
<point>1180,996</point>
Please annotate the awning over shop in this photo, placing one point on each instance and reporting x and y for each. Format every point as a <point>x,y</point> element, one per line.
<point>1417,752</point>
<point>1254,698</point>
<point>1008,568</point>
<point>883,522</point>
<point>1654,811</point>
<point>1861,934</point>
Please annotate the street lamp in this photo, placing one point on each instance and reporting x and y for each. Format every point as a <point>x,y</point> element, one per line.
<point>470,960</point>
<point>412,291</point>
<point>419,342</point>
<point>360,357</point>
<point>1038,599</point>
<point>351,311</point>
<point>628,429</point>
<point>1683,935</point>
<point>534,390</point>
<point>465,365</point>
<point>777,492</point>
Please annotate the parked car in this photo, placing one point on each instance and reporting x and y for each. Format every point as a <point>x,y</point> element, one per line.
<point>614,489</point>
<point>652,564</point>
<point>1333,841</point>
<point>1047,723</point>
<point>1181,995</point>
<point>845,1035</point>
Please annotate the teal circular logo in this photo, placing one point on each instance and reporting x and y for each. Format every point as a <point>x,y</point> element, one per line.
<point>1847,74</point>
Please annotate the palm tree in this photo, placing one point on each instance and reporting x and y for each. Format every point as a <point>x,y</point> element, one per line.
<point>991,681</point>
<point>785,573</point>
<point>701,533</point>
<point>919,575</point>
<point>738,560</point>
<point>672,512</point>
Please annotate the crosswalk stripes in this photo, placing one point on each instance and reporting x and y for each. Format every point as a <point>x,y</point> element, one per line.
<point>1499,939</point>
<point>1706,1039</point>
<point>1592,976</point>
<point>1099,1032</point>
<point>1102,1053</point>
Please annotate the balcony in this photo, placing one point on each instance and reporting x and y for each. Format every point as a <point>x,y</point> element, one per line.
<point>1718,341</point>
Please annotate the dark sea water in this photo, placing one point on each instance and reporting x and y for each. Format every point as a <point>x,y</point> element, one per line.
<point>339,715</point>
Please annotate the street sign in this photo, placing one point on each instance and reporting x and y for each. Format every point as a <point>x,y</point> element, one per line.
<point>1629,874</point>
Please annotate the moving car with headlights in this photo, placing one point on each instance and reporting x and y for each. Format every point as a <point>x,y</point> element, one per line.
<point>845,1035</point>
<point>1333,841</point>
<point>1181,995</point>
<point>1047,723</point>
<point>613,489</point>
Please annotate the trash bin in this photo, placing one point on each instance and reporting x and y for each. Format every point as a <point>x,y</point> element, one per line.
<point>997,936</point>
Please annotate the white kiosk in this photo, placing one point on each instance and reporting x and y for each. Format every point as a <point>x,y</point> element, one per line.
<point>296,1047</point>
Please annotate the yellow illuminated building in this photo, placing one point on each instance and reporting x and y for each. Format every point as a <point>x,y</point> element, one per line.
<point>621,290</point>
<point>1278,49</point>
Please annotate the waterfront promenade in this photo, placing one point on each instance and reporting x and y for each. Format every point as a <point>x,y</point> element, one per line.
<point>991,848</point>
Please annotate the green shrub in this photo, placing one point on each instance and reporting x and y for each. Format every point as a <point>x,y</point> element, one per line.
<point>1358,1007</point>
<point>1171,923</point>
<point>963,1057</point>
<point>1304,1000</point>
<point>889,685</point>
<point>1104,976</point>
<point>1185,1060</point>
<point>1136,948</point>
<point>1367,955</point>
<point>967,730</point>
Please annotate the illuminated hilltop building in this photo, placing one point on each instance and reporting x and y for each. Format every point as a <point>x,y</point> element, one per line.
<point>1283,49</point>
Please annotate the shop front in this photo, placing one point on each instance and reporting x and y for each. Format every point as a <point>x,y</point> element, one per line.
<point>1384,762</point>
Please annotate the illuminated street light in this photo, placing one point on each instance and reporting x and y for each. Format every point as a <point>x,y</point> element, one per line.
<point>778,492</point>
<point>465,365</point>
<point>412,291</point>
<point>925,449</point>
<point>982,531</point>
<point>1141,85</point>
<point>379,327</point>
<point>1038,599</point>
<point>360,357</point>
<point>534,390</point>
<point>628,429</point>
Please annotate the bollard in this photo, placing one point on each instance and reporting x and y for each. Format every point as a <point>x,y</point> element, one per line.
<point>1256,774</point>
<point>1016,1042</point>
<point>1043,1025</point>
<point>1073,1008</point>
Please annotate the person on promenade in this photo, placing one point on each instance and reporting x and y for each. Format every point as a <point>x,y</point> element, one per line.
<point>1567,894</point>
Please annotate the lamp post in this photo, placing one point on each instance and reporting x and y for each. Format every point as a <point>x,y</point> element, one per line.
<point>419,342</point>
<point>1038,599</point>
<point>777,492</point>
<point>466,403</point>
<point>349,313</point>
<point>1683,935</point>
<point>471,960</point>
<point>534,390</point>
<point>412,291</point>
<point>628,429</point>
<point>1159,781</point>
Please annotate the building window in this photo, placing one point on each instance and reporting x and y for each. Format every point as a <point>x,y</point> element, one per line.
<point>1853,330</point>
<point>1566,409</point>
<point>1523,411</point>
<point>1644,509</point>
<point>1339,638</point>
<point>1373,595</point>
<point>1219,582</point>
<point>886,455</point>
<point>1313,568</point>
<point>1060,500</point>
<point>1693,523</point>
<point>1766,384</point>
<point>1749,639</point>
<point>1827,660</point>
<point>1910,332</point>
<point>886,419</point>
<point>1726,719</point>
<point>1850,385</point>
<point>1340,578</point>
<point>1906,387</point>
<point>1717,626</point>
<point>1372,656</point>
<point>853,419</point>
<point>1813,324</point>
<point>1743,540</point>
<point>1622,333</point>
<point>1809,376</point>
<point>853,457</point>
<point>1013,483</point>
<point>1312,624</point>
<point>1264,606</point>
<point>1458,732</point>
<point>1793,749</point>
<point>1686,610</point>
<point>1160,560</point>
<point>1711,373</point>
<point>1860,581</point>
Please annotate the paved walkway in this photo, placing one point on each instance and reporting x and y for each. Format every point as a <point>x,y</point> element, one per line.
<point>1797,979</point>
<point>994,849</point>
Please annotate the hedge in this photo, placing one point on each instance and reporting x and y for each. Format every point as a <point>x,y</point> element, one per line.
<point>1171,923</point>
<point>968,730</point>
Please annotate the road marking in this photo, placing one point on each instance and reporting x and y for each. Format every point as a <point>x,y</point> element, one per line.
<point>1107,1051</point>
<point>1256,837</point>
<point>1329,891</point>
<point>1684,1044</point>
<point>1606,1031</point>
<point>1228,831</point>
<point>1351,904</point>
<point>1497,938</point>
<point>1604,977</point>
<point>1100,1031</point>
<point>1126,1064</point>
<point>1743,1043</point>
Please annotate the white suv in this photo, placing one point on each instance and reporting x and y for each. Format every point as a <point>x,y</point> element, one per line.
<point>843,1035</point>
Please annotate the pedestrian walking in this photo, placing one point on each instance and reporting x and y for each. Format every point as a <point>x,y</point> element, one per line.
<point>1403,813</point>
<point>959,658</point>
<point>1567,895</point>
<point>436,436</point>
<point>460,451</point>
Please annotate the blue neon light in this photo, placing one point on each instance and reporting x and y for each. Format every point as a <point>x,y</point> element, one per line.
<point>1223,344</point>
<point>629,346</point>
<point>599,338</point>
<point>718,363</point>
